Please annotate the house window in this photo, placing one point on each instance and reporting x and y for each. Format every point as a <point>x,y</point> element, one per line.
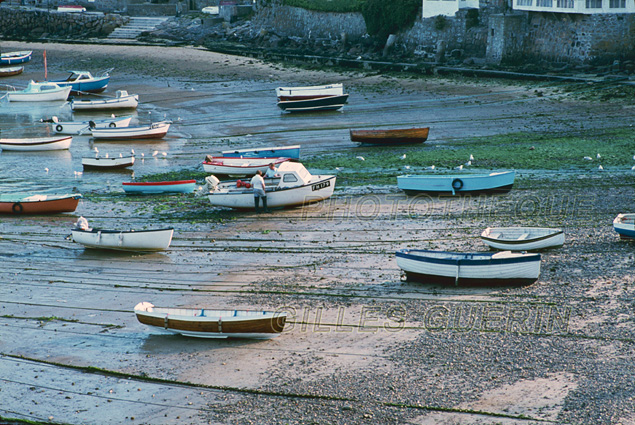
<point>524,2</point>
<point>617,4</point>
<point>594,4</point>
<point>544,3</point>
<point>566,4</point>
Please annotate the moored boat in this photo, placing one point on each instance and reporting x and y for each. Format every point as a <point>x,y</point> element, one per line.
<point>239,166</point>
<point>85,127</point>
<point>24,203</point>
<point>39,92</point>
<point>212,323</point>
<point>478,269</point>
<point>122,100</point>
<point>71,8</point>
<point>124,240</point>
<point>37,143</point>
<point>295,187</point>
<point>292,152</point>
<point>624,225</point>
<point>151,131</point>
<point>12,58</point>
<point>309,92</point>
<point>326,103</point>
<point>177,186</point>
<point>100,162</point>
<point>522,238</point>
<point>457,183</point>
<point>85,82</point>
<point>390,137</point>
<point>11,71</point>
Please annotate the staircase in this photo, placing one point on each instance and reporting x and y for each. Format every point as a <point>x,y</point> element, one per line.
<point>136,26</point>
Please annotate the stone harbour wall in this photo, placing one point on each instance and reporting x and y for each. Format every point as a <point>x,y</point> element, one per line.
<point>22,24</point>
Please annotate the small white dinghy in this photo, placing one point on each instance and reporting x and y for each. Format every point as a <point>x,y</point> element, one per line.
<point>212,323</point>
<point>624,225</point>
<point>122,100</point>
<point>150,131</point>
<point>239,166</point>
<point>106,162</point>
<point>85,127</point>
<point>522,238</point>
<point>37,144</point>
<point>124,240</point>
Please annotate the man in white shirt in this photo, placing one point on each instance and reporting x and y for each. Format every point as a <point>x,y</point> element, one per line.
<point>271,171</point>
<point>258,183</point>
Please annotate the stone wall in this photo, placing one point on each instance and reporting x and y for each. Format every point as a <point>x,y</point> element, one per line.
<point>19,24</point>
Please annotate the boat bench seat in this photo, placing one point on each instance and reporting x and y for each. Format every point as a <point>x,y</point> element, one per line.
<point>523,236</point>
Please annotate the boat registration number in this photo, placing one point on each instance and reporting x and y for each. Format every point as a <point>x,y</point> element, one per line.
<point>322,185</point>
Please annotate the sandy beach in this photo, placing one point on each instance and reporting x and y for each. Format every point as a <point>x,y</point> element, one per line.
<point>361,345</point>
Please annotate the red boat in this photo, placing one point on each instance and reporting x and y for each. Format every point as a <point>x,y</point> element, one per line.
<point>21,203</point>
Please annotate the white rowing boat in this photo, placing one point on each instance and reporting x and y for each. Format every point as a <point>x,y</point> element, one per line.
<point>124,240</point>
<point>522,238</point>
<point>37,143</point>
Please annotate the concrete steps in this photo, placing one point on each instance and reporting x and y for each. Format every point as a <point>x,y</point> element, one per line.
<point>136,26</point>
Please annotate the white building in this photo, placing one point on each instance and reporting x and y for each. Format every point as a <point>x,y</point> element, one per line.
<point>587,7</point>
<point>432,8</point>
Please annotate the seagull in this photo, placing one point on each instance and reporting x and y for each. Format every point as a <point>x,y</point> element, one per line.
<point>77,173</point>
<point>467,164</point>
<point>403,156</point>
<point>633,157</point>
<point>432,167</point>
<point>600,168</point>
<point>598,156</point>
<point>95,149</point>
<point>460,167</point>
<point>407,167</point>
<point>155,153</point>
<point>633,168</point>
<point>132,151</point>
<point>142,154</point>
<point>471,157</point>
<point>164,154</point>
<point>120,155</point>
<point>338,168</point>
<point>361,158</point>
<point>588,158</point>
<point>47,170</point>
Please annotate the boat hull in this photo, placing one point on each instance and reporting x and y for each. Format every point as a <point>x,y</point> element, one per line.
<point>153,131</point>
<point>12,58</point>
<point>183,186</point>
<point>318,190</point>
<point>390,137</point>
<point>477,269</point>
<point>128,102</point>
<point>139,240</point>
<point>102,163</point>
<point>240,166</point>
<point>206,323</point>
<point>8,72</point>
<point>36,144</point>
<point>38,204</point>
<point>309,92</point>
<point>522,238</point>
<point>624,225</point>
<point>328,103</point>
<point>454,184</point>
<point>47,96</point>
<point>292,152</point>
<point>81,127</point>
<point>96,85</point>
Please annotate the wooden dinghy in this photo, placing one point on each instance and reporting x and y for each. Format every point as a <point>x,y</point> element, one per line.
<point>12,58</point>
<point>239,166</point>
<point>23,203</point>
<point>37,144</point>
<point>85,127</point>
<point>390,137</point>
<point>292,152</point>
<point>100,162</point>
<point>11,71</point>
<point>177,186</point>
<point>327,103</point>
<point>39,92</point>
<point>479,269</point>
<point>624,225</point>
<point>124,240</point>
<point>295,187</point>
<point>522,238</point>
<point>151,131</point>
<point>212,323</point>
<point>457,183</point>
<point>309,92</point>
<point>122,100</point>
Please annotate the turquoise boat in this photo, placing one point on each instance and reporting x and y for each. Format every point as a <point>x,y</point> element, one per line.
<point>268,152</point>
<point>85,82</point>
<point>457,183</point>
<point>148,188</point>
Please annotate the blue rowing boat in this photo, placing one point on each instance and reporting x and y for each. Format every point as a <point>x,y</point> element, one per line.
<point>12,58</point>
<point>457,183</point>
<point>268,152</point>
<point>85,82</point>
<point>148,188</point>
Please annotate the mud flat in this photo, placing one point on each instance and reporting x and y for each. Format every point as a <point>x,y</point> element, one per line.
<point>362,344</point>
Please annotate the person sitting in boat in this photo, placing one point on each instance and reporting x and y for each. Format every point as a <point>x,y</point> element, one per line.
<point>258,183</point>
<point>82,224</point>
<point>271,172</point>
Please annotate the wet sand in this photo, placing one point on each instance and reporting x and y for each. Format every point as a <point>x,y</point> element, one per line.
<point>362,345</point>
